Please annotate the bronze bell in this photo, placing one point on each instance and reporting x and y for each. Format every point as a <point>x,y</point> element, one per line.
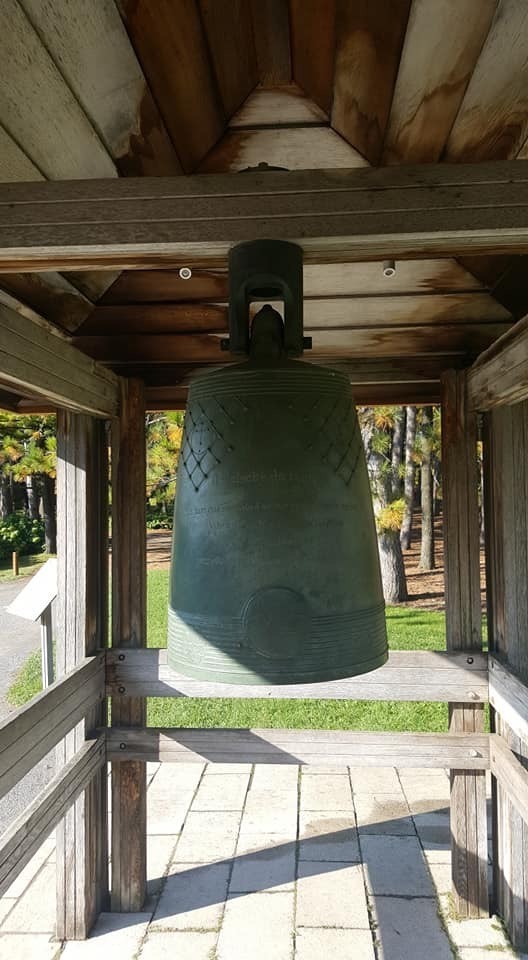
<point>275,572</point>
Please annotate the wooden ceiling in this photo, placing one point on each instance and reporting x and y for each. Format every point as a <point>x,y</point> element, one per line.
<point>170,87</point>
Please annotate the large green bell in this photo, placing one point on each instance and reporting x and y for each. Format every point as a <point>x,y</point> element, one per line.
<point>275,571</point>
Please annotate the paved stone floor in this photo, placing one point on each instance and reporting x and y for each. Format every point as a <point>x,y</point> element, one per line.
<point>271,863</point>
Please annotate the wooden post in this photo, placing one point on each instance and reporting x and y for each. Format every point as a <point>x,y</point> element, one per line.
<point>82,616</point>
<point>14,562</point>
<point>464,631</point>
<point>46,646</point>
<point>506,518</point>
<point>129,787</point>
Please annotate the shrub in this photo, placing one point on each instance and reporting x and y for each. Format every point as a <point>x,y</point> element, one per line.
<point>20,532</point>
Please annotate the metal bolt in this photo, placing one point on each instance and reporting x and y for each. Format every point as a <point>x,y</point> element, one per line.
<point>121,656</point>
<point>469,660</point>
<point>389,268</point>
<point>474,753</point>
<point>122,746</point>
<point>472,695</point>
<point>185,273</point>
<point>121,689</point>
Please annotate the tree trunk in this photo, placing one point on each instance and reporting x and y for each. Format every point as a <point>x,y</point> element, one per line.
<point>6,497</point>
<point>397,453</point>
<point>427,560</point>
<point>50,513</point>
<point>392,567</point>
<point>408,485</point>
<point>33,497</point>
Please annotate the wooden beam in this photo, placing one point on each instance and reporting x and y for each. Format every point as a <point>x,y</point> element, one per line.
<point>359,214</point>
<point>433,76</point>
<point>27,735</point>
<point>171,46</point>
<point>463,629</point>
<point>129,784</point>
<point>281,146</point>
<point>82,620</point>
<point>343,747</point>
<point>466,339</point>
<point>272,40</point>
<point>508,696</point>
<point>408,675</point>
<point>506,528</point>
<point>500,375</point>
<point>369,43</point>
<point>319,313</point>
<point>510,774</point>
<point>35,357</point>
<point>313,29</point>
<point>26,834</point>
<point>228,28</point>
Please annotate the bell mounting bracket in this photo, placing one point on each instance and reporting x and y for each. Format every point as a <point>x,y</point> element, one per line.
<point>264,270</point>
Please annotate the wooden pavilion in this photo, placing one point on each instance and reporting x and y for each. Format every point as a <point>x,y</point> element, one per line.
<point>401,126</point>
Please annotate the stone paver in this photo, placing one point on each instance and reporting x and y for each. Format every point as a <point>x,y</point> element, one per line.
<point>395,866</point>
<point>477,933</point>
<point>117,936</point>
<point>331,895</point>
<point>326,793</point>
<point>226,792</point>
<point>193,897</point>
<point>222,860</point>
<point>35,910</point>
<point>409,930</point>
<point>385,813</point>
<point>325,835</point>
<point>270,868</point>
<point>374,780</point>
<point>179,945</point>
<point>208,836</point>
<point>258,926</point>
<point>29,946</point>
<point>313,944</point>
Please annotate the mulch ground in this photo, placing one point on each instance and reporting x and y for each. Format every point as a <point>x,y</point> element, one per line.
<point>426,589</point>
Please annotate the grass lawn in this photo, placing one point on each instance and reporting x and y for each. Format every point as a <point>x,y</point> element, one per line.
<point>27,566</point>
<point>408,629</point>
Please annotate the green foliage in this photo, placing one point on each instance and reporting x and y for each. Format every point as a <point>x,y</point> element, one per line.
<point>20,532</point>
<point>391,516</point>
<point>164,436</point>
<point>28,445</point>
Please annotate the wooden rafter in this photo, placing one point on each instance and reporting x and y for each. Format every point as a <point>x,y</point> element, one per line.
<point>340,214</point>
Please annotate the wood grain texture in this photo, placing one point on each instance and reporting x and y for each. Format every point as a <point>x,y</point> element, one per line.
<point>39,109</point>
<point>422,211</point>
<point>321,313</point>
<point>35,357</point>
<point>508,697</point>
<point>463,629</point>
<point>344,747</point>
<point>313,41</point>
<point>327,280</point>
<point>129,786</point>
<point>89,45</point>
<point>51,295</point>
<point>510,774</point>
<point>507,569</point>
<point>294,148</point>
<point>28,832</point>
<point>170,44</point>
<point>500,375</point>
<point>229,31</point>
<point>398,341</point>
<point>82,619</point>
<point>433,76</point>
<point>492,123</point>
<point>279,106</point>
<point>369,43</point>
<point>408,675</point>
<point>271,31</point>
<point>33,730</point>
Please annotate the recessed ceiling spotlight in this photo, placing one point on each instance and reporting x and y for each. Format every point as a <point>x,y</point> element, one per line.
<point>389,268</point>
<point>185,273</point>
